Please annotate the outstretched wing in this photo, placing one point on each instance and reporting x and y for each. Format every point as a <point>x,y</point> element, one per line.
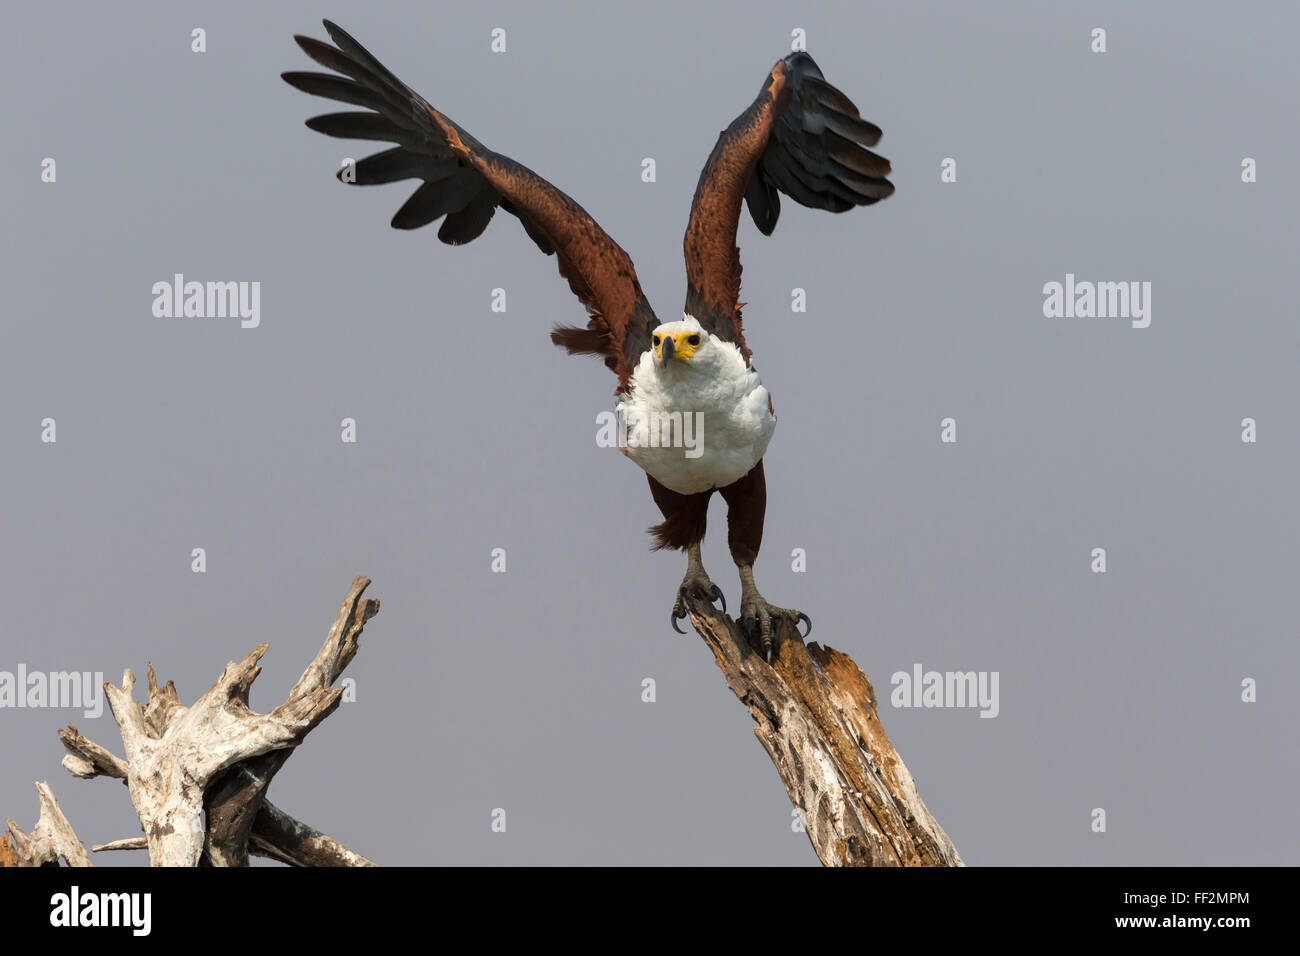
<point>801,137</point>
<point>466,182</point>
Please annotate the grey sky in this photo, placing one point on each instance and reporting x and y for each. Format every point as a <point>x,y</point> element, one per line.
<point>522,690</point>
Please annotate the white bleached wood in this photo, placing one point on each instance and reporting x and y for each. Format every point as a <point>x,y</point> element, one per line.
<point>174,752</point>
<point>51,838</point>
<point>177,756</point>
<point>130,843</point>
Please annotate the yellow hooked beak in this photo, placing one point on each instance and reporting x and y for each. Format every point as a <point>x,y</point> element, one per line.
<point>681,345</point>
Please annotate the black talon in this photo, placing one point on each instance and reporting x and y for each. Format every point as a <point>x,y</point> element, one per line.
<point>804,617</point>
<point>768,647</point>
<point>748,624</point>
<point>679,610</point>
<point>717,595</point>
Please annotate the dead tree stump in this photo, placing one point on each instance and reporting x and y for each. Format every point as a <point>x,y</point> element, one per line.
<point>815,714</point>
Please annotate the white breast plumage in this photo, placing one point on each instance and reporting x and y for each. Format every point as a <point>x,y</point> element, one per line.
<point>697,424</point>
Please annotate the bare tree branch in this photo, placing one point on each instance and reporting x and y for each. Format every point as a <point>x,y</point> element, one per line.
<point>815,714</point>
<point>174,752</point>
<point>130,843</point>
<point>217,757</point>
<point>87,759</point>
<point>280,837</point>
<point>277,836</point>
<point>51,838</point>
<point>234,802</point>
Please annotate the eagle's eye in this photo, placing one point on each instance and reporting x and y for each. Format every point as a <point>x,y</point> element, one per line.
<point>694,340</point>
<point>656,340</point>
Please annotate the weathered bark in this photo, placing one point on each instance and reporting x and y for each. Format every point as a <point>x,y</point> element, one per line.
<point>130,843</point>
<point>234,802</point>
<point>815,714</point>
<point>219,756</point>
<point>8,855</point>
<point>280,837</point>
<point>277,836</point>
<point>173,752</point>
<point>51,838</point>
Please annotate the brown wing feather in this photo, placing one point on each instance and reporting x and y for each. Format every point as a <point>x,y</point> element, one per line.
<point>466,182</point>
<point>802,137</point>
<point>712,257</point>
<point>599,272</point>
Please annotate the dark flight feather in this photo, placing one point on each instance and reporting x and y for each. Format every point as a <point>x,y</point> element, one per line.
<point>436,199</point>
<point>466,182</point>
<point>467,224</point>
<point>397,164</point>
<point>802,137</point>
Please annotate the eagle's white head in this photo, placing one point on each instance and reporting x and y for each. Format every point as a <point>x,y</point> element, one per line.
<point>678,341</point>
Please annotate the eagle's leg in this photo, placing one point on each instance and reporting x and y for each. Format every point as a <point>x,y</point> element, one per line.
<point>746,506</point>
<point>683,529</point>
<point>695,584</point>
<point>757,615</point>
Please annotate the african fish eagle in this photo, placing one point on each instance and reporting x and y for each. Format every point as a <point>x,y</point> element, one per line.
<point>801,137</point>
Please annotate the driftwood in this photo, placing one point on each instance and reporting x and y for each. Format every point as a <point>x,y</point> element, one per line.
<point>814,711</point>
<point>234,804</point>
<point>815,714</point>
<point>212,761</point>
<point>51,838</point>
